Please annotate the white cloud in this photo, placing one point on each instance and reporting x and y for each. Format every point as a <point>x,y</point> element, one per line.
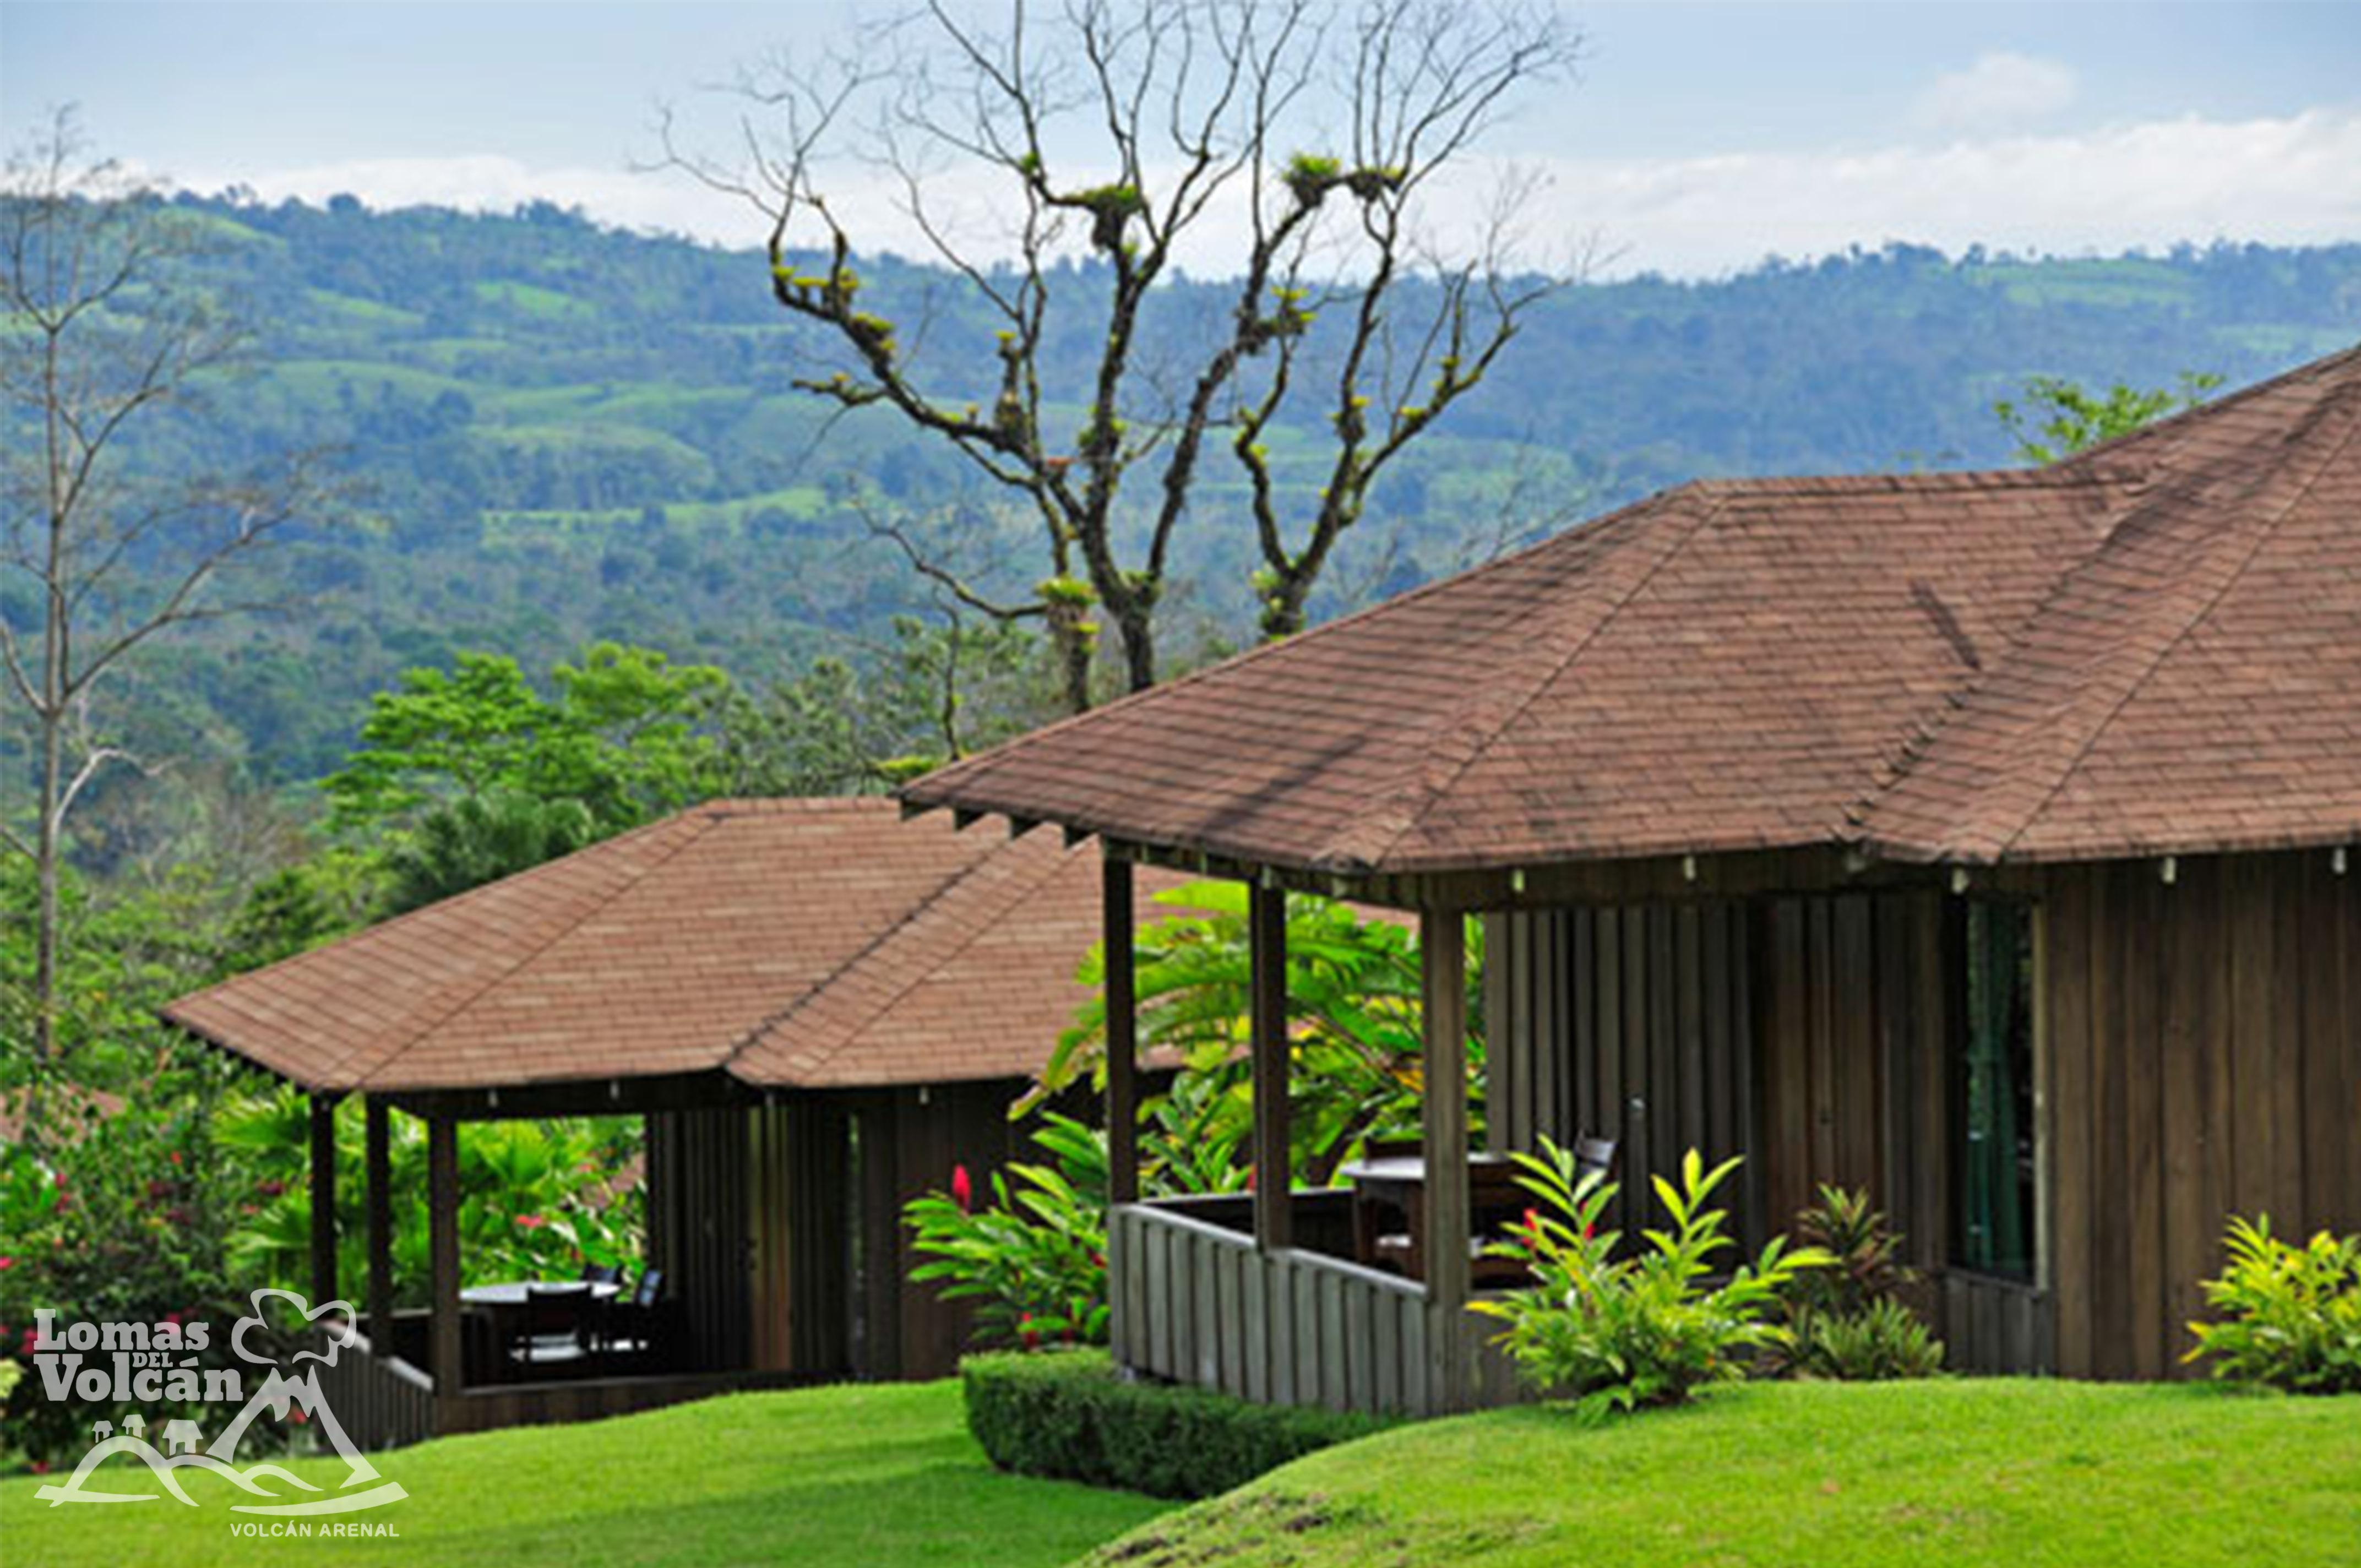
<point>2001,91</point>
<point>2284,180</point>
<point>2154,184</point>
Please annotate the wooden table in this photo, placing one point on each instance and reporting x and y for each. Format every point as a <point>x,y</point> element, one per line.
<point>519,1292</point>
<point>502,1305</point>
<point>1390,1200</point>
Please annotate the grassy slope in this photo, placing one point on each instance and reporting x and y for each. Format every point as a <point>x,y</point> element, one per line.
<point>2015,1473</point>
<point>875,1475</point>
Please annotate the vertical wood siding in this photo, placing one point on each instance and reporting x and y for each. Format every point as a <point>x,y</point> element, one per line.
<point>800,1171</point>
<point>1632,1023</point>
<point>909,1141</point>
<point>701,1229</point>
<point>1809,1033</point>
<point>2204,1043</point>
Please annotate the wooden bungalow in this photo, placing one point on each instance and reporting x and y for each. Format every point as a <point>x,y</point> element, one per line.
<point>1981,838</point>
<point>819,1012</point>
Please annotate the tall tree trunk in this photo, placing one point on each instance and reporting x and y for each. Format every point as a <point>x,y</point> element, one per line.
<point>1139,628</point>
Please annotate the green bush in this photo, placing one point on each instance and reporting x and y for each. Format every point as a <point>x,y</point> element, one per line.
<point>1069,1414</point>
<point>1883,1341</point>
<point>1033,1259</point>
<point>1613,1333</point>
<point>1848,1320</point>
<point>2290,1316</point>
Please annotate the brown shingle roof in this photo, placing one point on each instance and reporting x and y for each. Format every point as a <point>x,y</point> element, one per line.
<point>791,943</point>
<point>2153,647</point>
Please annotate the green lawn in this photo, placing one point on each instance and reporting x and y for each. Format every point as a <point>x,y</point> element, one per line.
<point>877,1475</point>
<point>1817,1476</point>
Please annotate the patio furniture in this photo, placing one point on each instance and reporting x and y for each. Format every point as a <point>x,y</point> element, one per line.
<point>536,1322</point>
<point>1389,1211</point>
<point>630,1325</point>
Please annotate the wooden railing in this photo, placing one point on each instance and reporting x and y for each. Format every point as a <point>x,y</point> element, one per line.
<point>381,1401</point>
<point>1194,1300</point>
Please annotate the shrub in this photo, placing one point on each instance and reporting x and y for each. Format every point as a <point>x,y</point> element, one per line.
<point>1034,1257</point>
<point>1883,1341</point>
<point>1848,1320</point>
<point>1616,1333</point>
<point>1069,1414</point>
<point>2290,1316</point>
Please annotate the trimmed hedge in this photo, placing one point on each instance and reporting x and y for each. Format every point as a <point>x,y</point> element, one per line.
<point>1066,1413</point>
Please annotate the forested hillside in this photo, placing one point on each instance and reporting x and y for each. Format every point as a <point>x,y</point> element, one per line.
<point>561,433</point>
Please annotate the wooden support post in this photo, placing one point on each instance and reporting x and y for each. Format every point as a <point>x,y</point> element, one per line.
<point>324,1199</point>
<point>380,1182</point>
<point>442,1251</point>
<point>1122,1032</point>
<point>1266,944</point>
<point>1444,1001</point>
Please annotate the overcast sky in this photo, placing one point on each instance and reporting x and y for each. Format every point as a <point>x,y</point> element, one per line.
<point>1698,138</point>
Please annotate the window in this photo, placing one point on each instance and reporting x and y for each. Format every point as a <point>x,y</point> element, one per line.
<point>1992,1107</point>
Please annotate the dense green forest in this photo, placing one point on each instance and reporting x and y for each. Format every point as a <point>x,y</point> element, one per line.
<point>560,432</point>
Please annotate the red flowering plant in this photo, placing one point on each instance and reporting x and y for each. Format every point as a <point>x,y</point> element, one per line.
<point>1615,1332</point>
<point>101,1226</point>
<point>1034,1256</point>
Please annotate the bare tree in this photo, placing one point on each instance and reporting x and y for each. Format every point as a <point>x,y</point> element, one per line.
<point>1292,146</point>
<point>103,550</point>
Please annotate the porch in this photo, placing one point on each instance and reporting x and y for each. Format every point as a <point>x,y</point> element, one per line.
<point>1810,1022</point>
<point>689,1318</point>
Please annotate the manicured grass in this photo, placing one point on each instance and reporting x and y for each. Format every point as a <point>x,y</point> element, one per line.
<point>875,1475</point>
<point>1899,1475</point>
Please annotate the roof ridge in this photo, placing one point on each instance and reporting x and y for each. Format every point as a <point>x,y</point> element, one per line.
<point>2091,455</point>
<point>704,822</point>
<point>1558,665</point>
<point>916,789</point>
<point>2263,529</point>
<point>753,1037</point>
<point>1930,727</point>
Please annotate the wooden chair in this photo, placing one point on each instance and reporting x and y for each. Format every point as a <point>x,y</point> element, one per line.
<point>1494,1201</point>
<point>551,1326</point>
<point>629,1326</point>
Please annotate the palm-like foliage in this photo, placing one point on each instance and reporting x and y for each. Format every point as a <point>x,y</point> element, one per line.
<point>537,1199</point>
<point>1353,989</point>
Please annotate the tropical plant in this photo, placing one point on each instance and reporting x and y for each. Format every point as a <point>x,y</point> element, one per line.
<point>120,1217</point>
<point>1616,1333</point>
<point>1848,1320</point>
<point>2290,1314</point>
<point>463,844</point>
<point>1878,1343</point>
<point>1035,1257</point>
<point>537,1199</point>
<point>1353,998</point>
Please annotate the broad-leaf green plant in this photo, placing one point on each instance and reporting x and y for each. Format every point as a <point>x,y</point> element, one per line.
<point>1616,1331</point>
<point>2290,1314</point>
<point>1034,1256</point>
